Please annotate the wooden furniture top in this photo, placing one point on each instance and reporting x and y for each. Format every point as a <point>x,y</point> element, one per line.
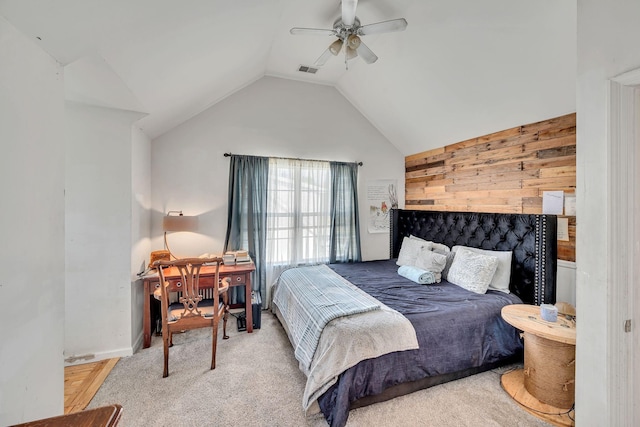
<point>240,275</point>
<point>206,270</point>
<point>527,318</point>
<point>104,416</point>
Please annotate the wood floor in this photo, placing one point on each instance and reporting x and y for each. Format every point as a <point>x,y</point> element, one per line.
<point>81,382</point>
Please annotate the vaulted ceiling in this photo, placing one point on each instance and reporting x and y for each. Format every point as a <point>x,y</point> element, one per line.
<point>462,68</point>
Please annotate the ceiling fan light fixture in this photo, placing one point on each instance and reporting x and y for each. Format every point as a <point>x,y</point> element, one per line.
<point>353,41</point>
<point>351,53</point>
<point>335,47</point>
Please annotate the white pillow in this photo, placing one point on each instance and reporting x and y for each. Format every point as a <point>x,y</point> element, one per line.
<point>501,279</point>
<point>472,271</point>
<point>409,251</point>
<point>435,247</point>
<point>431,261</point>
<point>412,237</point>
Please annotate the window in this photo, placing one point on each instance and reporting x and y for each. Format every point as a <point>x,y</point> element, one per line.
<point>298,212</point>
<point>290,212</point>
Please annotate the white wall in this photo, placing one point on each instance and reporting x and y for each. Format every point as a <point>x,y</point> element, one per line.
<point>140,226</point>
<point>32,230</point>
<point>99,232</point>
<point>271,117</point>
<point>566,282</point>
<point>608,34</point>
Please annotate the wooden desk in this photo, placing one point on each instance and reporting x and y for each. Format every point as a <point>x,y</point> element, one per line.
<point>546,385</point>
<point>240,275</point>
<point>105,416</point>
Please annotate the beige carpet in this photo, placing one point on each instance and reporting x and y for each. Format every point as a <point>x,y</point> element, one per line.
<point>257,383</point>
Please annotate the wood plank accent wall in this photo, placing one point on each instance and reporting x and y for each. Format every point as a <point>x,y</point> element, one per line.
<point>504,172</point>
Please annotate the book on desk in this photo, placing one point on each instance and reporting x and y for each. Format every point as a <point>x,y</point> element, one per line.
<point>236,257</point>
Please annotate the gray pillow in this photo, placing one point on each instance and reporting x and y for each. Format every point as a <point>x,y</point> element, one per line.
<point>431,261</point>
<point>435,247</point>
<point>409,251</point>
<point>440,248</point>
<point>502,278</point>
<point>472,271</point>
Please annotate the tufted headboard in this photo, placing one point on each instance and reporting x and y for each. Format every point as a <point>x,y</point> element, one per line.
<point>532,238</point>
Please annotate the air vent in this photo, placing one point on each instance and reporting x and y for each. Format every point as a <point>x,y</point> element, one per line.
<point>307,69</point>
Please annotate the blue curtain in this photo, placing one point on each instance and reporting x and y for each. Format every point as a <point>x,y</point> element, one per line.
<point>345,225</point>
<point>247,216</point>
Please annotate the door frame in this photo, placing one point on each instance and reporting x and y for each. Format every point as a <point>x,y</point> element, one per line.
<point>623,232</point>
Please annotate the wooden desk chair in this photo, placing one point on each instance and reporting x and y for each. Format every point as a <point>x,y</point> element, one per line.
<point>192,311</point>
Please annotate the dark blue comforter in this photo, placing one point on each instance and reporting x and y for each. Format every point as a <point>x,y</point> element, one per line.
<point>456,330</point>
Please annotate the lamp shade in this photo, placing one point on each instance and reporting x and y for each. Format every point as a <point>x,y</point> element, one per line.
<point>180,223</point>
<point>335,47</point>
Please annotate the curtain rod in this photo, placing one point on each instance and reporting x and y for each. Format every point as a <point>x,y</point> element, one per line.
<point>294,158</point>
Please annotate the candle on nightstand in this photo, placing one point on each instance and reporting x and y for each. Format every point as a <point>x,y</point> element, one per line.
<point>549,312</point>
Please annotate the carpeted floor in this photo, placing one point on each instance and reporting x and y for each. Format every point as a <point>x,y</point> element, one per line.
<point>257,383</point>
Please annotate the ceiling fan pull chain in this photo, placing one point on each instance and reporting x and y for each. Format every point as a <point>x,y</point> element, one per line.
<point>346,53</point>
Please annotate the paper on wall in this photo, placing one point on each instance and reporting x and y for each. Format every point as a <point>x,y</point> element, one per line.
<point>570,205</point>
<point>552,202</point>
<point>563,229</point>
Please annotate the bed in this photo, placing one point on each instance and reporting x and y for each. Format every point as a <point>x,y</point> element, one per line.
<point>457,333</point>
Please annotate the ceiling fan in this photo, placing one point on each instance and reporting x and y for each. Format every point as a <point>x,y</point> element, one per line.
<point>347,29</point>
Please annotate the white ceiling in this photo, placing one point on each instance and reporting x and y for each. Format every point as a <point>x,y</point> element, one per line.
<point>463,68</point>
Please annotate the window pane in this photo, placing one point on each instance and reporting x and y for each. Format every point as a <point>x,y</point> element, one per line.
<point>298,215</point>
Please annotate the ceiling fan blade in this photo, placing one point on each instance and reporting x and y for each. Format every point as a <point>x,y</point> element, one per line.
<point>384,27</point>
<point>349,12</point>
<point>323,58</point>
<point>312,31</point>
<point>366,54</point>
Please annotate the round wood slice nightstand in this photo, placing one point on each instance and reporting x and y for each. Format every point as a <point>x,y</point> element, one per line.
<point>546,385</point>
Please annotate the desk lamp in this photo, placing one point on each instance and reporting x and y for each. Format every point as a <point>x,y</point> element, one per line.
<point>176,221</point>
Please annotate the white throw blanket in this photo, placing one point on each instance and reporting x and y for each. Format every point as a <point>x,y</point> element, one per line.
<point>309,298</point>
<point>347,340</point>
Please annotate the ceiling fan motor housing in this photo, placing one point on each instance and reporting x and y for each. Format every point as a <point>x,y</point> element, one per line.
<point>343,31</point>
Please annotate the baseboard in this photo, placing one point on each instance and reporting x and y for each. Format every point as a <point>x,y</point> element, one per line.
<point>96,357</point>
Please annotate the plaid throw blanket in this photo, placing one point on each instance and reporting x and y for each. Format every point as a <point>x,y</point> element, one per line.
<point>309,298</point>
